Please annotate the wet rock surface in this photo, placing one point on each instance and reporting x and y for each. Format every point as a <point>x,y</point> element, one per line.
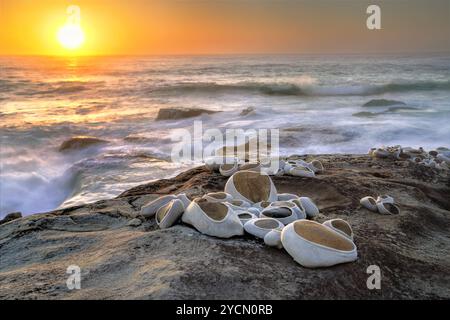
<point>389,110</point>
<point>122,259</point>
<point>179,113</point>
<point>382,103</point>
<point>247,111</point>
<point>80,142</point>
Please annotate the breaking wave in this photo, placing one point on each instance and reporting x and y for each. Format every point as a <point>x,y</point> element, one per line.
<point>292,89</point>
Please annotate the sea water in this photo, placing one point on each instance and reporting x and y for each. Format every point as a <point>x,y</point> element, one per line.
<point>315,101</point>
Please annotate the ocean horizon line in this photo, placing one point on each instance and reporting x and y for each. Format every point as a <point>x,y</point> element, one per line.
<point>237,54</point>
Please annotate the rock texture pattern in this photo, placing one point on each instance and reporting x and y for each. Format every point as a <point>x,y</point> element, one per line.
<point>121,259</point>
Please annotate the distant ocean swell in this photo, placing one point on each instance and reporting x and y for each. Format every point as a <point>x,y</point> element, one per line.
<point>291,89</point>
<point>24,88</point>
<point>34,88</point>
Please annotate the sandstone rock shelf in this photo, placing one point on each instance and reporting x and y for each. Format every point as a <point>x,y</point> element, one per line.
<point>120,260</point>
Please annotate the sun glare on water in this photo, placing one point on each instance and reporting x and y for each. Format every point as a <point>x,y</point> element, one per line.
<point>71,35</point>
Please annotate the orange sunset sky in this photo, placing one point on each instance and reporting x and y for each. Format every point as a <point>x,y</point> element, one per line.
<point>136,27</point>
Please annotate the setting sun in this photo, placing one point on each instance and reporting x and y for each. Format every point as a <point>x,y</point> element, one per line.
<point>71,36</point>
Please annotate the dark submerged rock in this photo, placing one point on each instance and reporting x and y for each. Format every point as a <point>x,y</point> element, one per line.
<point>382,103</point>
<point>80,142</point>
<point>247,111</point>
<point>179,113</point>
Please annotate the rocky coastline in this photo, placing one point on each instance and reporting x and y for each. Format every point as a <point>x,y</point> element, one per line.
<point>122,255</point>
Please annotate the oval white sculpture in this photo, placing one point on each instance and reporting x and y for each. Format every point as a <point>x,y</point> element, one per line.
<point>316,166</point>
<point>251,187</point>
<point>302,211</point>
<point>238,204</point>
<point>314,245</point>
<point>385,199</point>
<point>254,211</point>
<point>340,226</point>
<point>218,197</point>
<point>183,197</point>
<point>260,206</point>
<point>228,169</point>
<point>387,208</point>
<point>273,238</point>
<point>273,166</point>
<point>285,212</point>
<point>310,208</point>
<point>289,164</point>
<point>168,214</point>
<point>261,226</point>
<point>245,216</point>
<point>213,218</point>
<point>369,203</point>
<point>286,196</point>
<point>250,166</point>
<point>272,172</point>
<point>301,171</point>
<point>151,207</point>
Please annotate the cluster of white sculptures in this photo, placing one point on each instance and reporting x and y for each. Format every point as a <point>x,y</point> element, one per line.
<point>229,165</point>
<point>438,159</point>
<point>383,204</point>
<point>250,203</point>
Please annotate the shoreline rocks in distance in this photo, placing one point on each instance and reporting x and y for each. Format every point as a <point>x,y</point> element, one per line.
<point>382,103</point>
<point>247,111</point>
<point>181,113</point>
<point>395,109</point>
<point>80,142</point>
<point>365,114</point>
